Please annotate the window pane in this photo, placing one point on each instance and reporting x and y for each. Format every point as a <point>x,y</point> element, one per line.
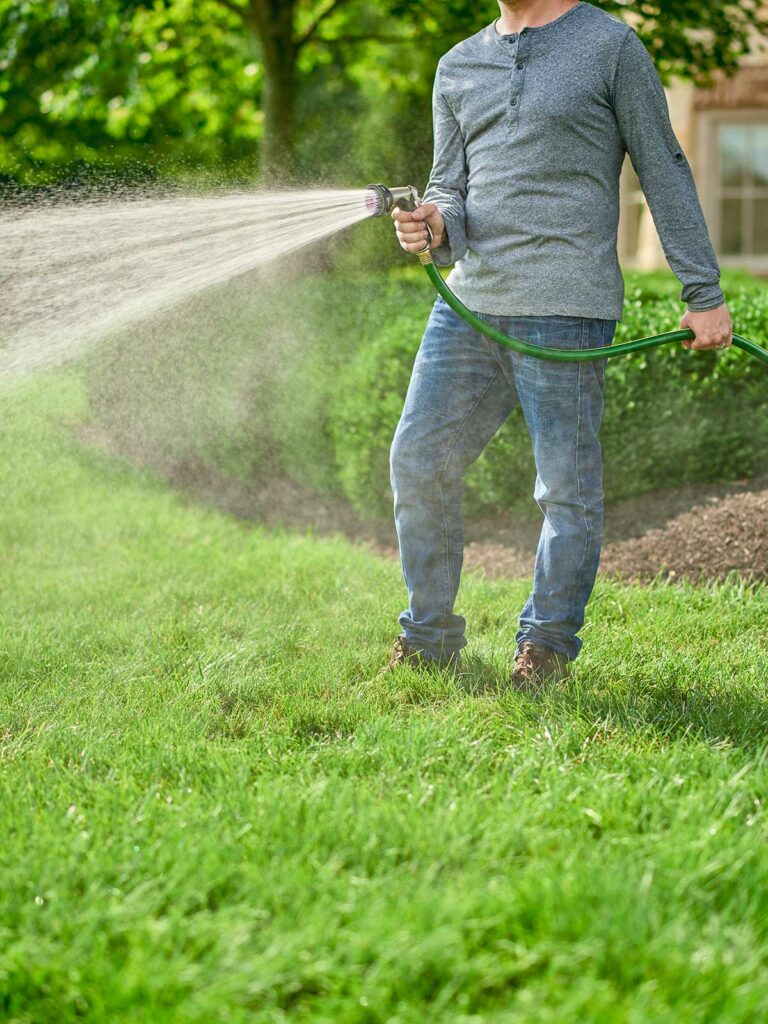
<point>732,141</point>
<point>759,156</point>
<point>731,242</point>
<point>760,227</point>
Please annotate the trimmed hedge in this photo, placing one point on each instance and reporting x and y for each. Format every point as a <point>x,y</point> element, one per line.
<point>671,416</point>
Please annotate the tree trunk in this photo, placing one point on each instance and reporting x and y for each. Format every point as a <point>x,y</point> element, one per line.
<point>273,23</point>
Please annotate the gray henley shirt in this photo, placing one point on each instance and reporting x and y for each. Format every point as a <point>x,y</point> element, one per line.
<point>530,135</point>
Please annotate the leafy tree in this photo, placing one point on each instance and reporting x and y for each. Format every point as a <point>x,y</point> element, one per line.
<point>213,81</point>
<point>687,37</point>
<point>111,82</point>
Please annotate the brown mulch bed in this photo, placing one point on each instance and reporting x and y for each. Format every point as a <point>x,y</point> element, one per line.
<point>698,532</point>
<point>725,535</point>
<point>693,533</point>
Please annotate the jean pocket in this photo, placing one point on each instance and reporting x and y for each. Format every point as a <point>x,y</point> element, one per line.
<point>602,337</point>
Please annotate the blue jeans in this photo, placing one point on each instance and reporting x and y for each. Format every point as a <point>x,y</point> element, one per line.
<point>463,387</point>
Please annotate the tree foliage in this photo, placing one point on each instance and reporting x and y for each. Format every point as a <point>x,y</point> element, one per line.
<point>687,37</point>
<point>108,81</point>
<point>315,87</point>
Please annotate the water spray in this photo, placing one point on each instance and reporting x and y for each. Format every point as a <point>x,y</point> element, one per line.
<point>77,272</point>
<point>381,200</point>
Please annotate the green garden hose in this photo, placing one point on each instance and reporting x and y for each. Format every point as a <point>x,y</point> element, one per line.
<point>567,355</point>
<point>380,200</point>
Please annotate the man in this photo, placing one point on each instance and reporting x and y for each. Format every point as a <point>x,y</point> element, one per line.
<point>532,119</point>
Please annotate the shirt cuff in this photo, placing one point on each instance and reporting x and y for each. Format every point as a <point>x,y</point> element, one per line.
<point>454,244</point>
<point>706,298</point>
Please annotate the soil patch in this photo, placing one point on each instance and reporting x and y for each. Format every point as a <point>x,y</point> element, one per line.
<point>696,532</point>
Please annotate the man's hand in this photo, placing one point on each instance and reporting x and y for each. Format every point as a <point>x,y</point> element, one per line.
<point>713,328</point>
<point>410,229</point>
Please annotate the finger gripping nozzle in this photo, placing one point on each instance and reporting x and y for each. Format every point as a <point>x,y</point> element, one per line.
<point>381,200</point>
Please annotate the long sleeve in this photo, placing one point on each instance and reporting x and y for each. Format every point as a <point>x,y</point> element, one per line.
<point>447,187</point>
<point>665,176</point>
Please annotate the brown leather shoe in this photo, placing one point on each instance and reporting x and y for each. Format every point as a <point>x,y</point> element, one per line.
<point>536,665</point>
<point>404,654</point>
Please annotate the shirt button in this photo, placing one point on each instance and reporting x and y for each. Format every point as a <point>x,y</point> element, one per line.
<point>514,103</point>
<point>520,67</point>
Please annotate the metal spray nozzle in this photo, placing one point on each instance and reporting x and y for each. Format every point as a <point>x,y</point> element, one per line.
<point>380,200</point>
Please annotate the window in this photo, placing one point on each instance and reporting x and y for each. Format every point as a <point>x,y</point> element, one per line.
<point>742,181</point>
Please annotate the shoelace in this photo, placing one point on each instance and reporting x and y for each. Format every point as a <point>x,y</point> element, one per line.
<point>399,653</point>
<point>524,661</point>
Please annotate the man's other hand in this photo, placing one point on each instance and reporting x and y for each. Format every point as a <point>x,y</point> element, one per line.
<point>410,228</point>
<point>712,328</point>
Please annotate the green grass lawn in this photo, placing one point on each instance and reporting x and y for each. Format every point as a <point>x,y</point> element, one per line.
<point>211,811</point>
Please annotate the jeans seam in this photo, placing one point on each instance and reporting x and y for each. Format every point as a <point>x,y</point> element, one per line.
<point>446,538</point>
<point>602,363</point>
<point>587,530</point>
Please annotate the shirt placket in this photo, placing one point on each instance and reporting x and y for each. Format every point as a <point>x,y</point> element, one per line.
<point>520,46</point>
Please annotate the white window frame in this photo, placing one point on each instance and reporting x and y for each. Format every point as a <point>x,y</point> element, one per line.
<point>709,176</point>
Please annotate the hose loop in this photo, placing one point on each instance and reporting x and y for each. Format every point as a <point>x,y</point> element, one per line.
<point>567,355</point>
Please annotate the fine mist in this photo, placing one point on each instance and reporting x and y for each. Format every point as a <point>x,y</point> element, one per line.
<point>229,394</point>
<point>75,272</point>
